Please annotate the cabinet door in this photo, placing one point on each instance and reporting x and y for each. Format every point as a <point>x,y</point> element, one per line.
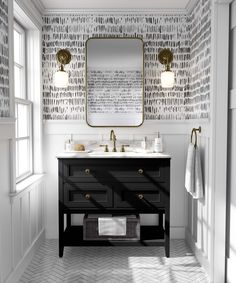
<point>87,195</point>
<point>144,196</point>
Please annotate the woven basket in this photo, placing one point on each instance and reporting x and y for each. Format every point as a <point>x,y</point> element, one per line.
<point>90,229</point>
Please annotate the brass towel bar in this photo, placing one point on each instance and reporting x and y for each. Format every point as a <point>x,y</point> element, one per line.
<point>195,130</point>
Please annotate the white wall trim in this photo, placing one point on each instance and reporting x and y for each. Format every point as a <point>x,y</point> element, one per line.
<point>67,127</point>
<point>7,131</point>
<point>26,259</point>
<point>177,232</point>
<point>231,271</point>
<point>25,186</point>
<point>28,9</point>
<point>232,99</point>
<point>198,253</point>
<point>218,147</point>
<point>114,11</point>
<point>39,6</point>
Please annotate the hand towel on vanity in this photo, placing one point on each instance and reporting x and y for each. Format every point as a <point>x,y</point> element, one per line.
<point>112,226</point>
<point>193,174</point>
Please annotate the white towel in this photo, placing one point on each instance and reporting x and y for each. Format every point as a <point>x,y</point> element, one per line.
<point>112,226</point>
<point>193,174</point>
<point>198,184</point>
<point>189,173</point>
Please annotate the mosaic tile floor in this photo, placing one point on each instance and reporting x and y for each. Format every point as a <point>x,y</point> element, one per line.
<point>114,264</point>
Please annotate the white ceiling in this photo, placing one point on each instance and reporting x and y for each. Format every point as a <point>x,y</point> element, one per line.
<point>113,4</point>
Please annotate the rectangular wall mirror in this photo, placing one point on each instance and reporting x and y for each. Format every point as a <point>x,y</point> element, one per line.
<point>114,82</point>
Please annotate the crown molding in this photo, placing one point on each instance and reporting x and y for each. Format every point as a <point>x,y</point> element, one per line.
<point>39,6</point>
<point>190,6</point>
<point>114,11</point>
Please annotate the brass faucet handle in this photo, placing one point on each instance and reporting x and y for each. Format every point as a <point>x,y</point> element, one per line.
<point>106,147</point>
<point>123,147</point>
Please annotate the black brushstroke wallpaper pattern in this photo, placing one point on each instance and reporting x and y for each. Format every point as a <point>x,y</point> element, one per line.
<point>188,36</point>
<point>4,61</point>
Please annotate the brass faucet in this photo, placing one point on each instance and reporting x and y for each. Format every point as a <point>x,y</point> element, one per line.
<point>113,138</point>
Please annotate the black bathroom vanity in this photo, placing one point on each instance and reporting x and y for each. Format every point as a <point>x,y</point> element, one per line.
<point>120,185</point>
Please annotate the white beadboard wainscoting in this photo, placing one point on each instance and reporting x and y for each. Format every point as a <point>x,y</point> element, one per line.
<point>189,219</point>
<point>21,214</point>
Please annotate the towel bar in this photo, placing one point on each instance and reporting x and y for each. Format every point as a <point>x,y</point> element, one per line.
<point>195,130</point>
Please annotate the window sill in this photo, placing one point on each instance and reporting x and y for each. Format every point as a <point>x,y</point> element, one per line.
<point>26,184</point>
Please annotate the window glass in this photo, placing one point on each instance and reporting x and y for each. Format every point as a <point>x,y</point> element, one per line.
<point>17,47</point>
<point>22,108</point>
<point>23,120</point>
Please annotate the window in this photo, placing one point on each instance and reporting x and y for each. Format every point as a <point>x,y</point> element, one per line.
<point>23,107</point>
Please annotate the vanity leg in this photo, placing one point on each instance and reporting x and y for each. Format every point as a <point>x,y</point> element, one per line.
<point>167,232</point>
<point>68,220</point>
<point>61,230</point>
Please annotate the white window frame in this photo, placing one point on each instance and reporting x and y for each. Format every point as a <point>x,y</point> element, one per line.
<point>24,101</point>
<point>23,66</point>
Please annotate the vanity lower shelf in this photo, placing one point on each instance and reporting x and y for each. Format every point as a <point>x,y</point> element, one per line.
<point>150,236</point>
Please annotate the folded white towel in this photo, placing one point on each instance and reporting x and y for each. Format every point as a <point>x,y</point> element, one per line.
<point>112,226</point>
<point>189,173</point>
<point>193,174</point>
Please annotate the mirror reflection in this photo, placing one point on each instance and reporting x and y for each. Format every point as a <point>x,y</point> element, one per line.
<point>114,88</point>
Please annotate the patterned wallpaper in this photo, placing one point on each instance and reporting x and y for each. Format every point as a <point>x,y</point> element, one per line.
<point>4,61</point>
<point>198,103</point>
<point>181,33</point>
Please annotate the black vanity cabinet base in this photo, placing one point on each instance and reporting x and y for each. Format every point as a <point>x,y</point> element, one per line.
<point>118,187</point>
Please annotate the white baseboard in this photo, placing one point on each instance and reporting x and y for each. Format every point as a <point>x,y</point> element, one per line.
<point>203,260</point>
<point>16,274</point>
<point>177,233</point>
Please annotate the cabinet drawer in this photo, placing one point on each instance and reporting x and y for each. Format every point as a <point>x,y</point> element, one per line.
<point>90,195</point>
<point>138,173</point>
<point>144,196</point>
<point>111,171</point>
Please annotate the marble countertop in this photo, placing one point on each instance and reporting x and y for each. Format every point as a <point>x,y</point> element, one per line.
<point>97,154</point>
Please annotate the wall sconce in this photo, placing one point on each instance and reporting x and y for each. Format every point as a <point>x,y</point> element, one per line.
<point>61,77</point>
<point>167,76</point>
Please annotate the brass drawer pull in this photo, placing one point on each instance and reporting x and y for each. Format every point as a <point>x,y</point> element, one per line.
<point>87,171</point>
<point>140,171</point>
<point>87,196</point>
<point>140,196</point>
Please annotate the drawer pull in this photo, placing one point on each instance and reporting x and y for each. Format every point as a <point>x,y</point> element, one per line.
<point>140,171</point>
<point>140,196</point>
<point>87,196</point>
<point>87,171</point>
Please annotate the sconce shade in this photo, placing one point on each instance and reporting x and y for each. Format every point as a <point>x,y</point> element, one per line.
<point>165,57</point>
<point>61,79</point>
<point>167,79</point>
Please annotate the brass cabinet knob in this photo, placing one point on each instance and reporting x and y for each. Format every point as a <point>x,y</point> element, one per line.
<point>87,171</point>
<point>140,196</point>
<point>140,171</point>
<point>87,196</point>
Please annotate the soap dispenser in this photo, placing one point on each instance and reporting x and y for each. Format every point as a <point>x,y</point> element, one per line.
<point>144,143</point>
<point>158,145</point>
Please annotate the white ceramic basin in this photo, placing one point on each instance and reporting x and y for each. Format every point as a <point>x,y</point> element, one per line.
<point>112,154</point>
